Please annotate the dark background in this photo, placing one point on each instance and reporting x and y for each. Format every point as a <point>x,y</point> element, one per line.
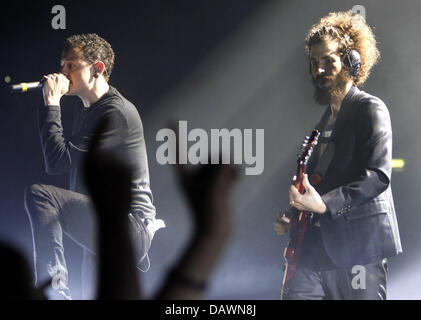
<point>216,64</point>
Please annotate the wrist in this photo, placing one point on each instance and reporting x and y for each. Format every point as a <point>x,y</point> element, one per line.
<point>323,208</point>
<point>189,280</point>
<point>51,98</point>
<point>52,102</point>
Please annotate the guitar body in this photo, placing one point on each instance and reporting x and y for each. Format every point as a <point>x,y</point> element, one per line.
<point>298,221</point>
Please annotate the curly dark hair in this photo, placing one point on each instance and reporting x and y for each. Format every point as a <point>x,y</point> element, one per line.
<point>352,33</point>
<point>92,48</point>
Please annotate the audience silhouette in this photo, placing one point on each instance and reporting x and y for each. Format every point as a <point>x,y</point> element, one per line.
<point>206,188</point>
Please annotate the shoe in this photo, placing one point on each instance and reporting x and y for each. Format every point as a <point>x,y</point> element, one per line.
<point>59,294</point>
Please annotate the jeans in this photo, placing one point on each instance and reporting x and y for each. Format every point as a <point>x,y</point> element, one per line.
<point>317,278</point>
<point>53,211</point>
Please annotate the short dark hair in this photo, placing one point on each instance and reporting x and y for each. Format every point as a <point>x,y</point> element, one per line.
<point>92,48</point>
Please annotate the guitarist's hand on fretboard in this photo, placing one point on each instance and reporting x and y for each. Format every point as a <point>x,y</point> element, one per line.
<point>309,201</point>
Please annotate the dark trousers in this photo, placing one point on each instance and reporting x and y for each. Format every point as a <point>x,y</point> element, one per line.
<point>54,211</point>
<point>317,278</point>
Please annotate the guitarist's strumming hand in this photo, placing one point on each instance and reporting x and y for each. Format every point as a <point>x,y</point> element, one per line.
<point>310,200</point>
<point>281,223</point>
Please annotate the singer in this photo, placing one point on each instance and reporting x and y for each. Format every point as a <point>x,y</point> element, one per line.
<point>86,65</point>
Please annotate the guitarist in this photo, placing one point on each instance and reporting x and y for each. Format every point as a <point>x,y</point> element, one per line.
<point>352,228</point>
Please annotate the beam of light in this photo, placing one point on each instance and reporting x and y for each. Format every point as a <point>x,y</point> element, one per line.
<point>398,164</point>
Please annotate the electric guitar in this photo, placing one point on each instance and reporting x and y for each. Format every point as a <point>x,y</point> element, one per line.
<point>298,221</point>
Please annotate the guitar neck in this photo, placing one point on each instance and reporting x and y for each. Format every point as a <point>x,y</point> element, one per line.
<point>300,176</point>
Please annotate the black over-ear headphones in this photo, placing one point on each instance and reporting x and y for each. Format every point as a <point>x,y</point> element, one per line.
<point>353,61</point>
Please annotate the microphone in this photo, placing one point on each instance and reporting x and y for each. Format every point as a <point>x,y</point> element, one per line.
<point>26,86</point>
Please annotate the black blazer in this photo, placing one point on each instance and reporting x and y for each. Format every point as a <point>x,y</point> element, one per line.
<point>360,226</point>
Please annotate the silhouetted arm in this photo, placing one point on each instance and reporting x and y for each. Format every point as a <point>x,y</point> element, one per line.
<point>108,180</point>
<point>208,192</point>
